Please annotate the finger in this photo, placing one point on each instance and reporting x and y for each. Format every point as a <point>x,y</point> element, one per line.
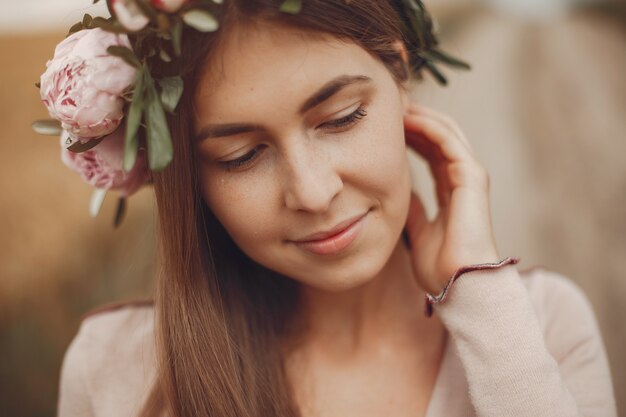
<point>437,165</point>
<point>453,149</point>
<point>432,140</point>
<point>446,120</point>
<point>417,109</point>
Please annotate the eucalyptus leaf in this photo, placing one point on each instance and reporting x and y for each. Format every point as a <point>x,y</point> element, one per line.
<point>171,91</point>
<point>436,73</point>
<point>291,6</point>
<point>163,22</point>
<point>165,35</point>
<point>50,127</point>
<point>447,59</point>
<point>177,36</point>
<point>79,147</point>
<point>146,8</point>
<point>97,198</point>
<point>201,20</point>
<point>160,150</point>
<point>107,25</point>
<point>87,19</point>
<point>412,4</point>
<point>125,53</point>
<point>119,212</point>
<point>133,122</point>
<point>75,28</point>
<point>164,56</point>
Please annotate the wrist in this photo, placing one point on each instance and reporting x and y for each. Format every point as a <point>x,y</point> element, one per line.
<point>438,296</point>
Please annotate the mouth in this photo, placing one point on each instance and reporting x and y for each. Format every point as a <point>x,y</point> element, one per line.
<point>334,240</point>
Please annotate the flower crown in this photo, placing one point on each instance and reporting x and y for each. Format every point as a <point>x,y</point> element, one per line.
<point>104,100</point>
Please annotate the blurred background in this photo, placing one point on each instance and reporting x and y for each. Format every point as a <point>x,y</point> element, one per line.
<point>544,106</point>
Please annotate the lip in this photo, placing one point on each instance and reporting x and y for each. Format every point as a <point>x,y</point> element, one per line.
<point>334,240</point>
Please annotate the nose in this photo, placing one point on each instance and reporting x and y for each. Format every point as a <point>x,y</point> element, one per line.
<point>311,179</point>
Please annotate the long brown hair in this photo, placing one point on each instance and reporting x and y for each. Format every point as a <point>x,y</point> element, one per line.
<point>220,317</point>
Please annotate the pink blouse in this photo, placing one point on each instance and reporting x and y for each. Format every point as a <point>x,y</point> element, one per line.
<point>520,344</point>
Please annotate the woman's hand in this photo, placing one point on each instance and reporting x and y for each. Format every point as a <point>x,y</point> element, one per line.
<point>461,233</point>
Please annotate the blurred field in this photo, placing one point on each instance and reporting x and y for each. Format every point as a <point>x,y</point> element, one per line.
<point>56,262</point>
<point>545,108</point>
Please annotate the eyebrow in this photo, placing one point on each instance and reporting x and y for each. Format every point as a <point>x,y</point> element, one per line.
<point>325,92</point>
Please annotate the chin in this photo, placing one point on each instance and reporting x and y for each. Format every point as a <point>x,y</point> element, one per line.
<point>360,269</point>
<point>337,285</point>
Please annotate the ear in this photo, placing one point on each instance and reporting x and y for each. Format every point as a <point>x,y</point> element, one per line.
<point>404,89</point>
<point>406,102</point>
<point>398,45</point>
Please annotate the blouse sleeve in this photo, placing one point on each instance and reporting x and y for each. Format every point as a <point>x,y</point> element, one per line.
<point>74,398</point>
<point>512,369</point>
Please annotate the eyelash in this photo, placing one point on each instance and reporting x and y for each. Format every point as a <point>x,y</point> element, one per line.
<point>348,120</point>
<point>343,122</point>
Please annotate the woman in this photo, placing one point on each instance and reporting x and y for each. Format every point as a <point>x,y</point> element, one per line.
<point>295,258</point>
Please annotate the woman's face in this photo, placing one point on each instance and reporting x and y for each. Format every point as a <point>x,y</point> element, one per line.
<point>302,153</point>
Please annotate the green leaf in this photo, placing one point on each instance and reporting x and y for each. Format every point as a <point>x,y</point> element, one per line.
<point>146,9</point>
<point>107,25</point>
<point>76,27</point>
<point>79,147</point>
<point>165,35</point>
<point>291,6</point>
<point>87,20</point>
<point>163,22</point>
<point>97,198</point>
<point>171,91</point>
<point>412,4</point>
<point>449,60</point>
<point>125,53</point>
<point>177,36</point>
<point>119,212</point>
<point>133,122</point>
<point>51,127</point>
<point>436,73</point>
<point>164,56</point>
<point>201,20</point>
<point>160,150</point>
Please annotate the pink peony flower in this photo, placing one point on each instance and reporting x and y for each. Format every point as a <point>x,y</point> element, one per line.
<point>169,6</point>
<point>101,166</point>
<point>83,85</point>
<point>129,14</point>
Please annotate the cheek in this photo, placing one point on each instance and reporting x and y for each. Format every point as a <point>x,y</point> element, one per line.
<point>383,165</point>
<point>245,205</point>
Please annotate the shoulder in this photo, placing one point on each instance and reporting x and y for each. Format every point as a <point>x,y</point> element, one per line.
<point>115,333</point>
<point>114,325</point>
<point>110,363</point>
<point>564,311</point>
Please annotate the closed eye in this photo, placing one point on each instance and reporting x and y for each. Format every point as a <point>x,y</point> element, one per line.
<point>346,121</point>
<point>244,160</point>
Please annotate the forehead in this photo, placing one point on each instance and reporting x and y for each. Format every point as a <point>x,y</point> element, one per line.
<point>276,65</point>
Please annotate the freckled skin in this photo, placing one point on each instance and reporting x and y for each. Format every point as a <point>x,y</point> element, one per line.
<point>368,349</point>
<point>307,179</point>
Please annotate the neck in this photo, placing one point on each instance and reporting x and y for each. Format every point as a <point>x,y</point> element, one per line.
<point>387,309</point>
